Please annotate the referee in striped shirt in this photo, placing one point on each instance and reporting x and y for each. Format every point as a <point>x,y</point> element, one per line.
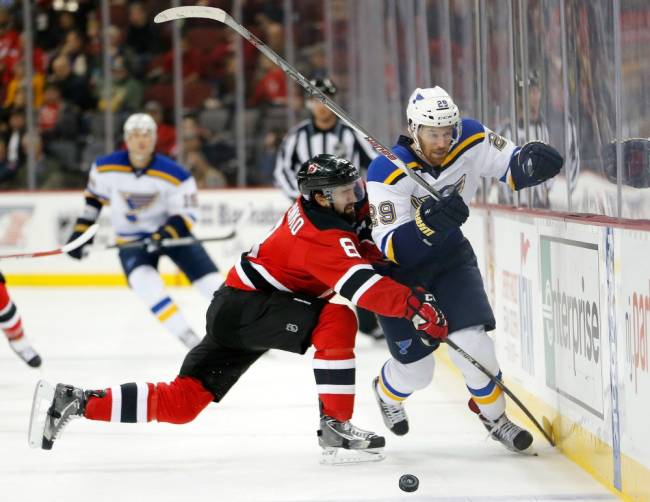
<point>324,132</point>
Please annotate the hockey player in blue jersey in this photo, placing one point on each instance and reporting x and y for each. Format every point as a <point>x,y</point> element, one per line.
<point>152,198</point>
<point>421,235</point>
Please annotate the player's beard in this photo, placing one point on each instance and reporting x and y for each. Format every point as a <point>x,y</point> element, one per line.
<point>349,214</point>
<point>435,157</point>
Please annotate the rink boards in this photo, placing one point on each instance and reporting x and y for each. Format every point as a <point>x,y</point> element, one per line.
<point>572,303</point>
<point>571,297</point>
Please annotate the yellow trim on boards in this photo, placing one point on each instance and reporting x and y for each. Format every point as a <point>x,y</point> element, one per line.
<point>575,442</point>
<point>86,280</point>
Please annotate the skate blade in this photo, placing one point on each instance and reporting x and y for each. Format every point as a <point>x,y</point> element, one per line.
<point>43,397</point>
<point>341,456</point>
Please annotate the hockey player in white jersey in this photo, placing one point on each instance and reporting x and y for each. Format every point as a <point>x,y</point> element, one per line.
<point>152,198</point>
<point>421,236</point>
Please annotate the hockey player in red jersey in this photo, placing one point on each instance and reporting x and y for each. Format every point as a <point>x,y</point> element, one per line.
<point>275,297</point>
<point>12,325</point>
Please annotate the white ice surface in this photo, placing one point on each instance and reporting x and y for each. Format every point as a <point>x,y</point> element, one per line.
<point>259,444</point>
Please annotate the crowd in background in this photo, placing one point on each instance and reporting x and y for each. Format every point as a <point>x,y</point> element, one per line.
<point>70,104</point>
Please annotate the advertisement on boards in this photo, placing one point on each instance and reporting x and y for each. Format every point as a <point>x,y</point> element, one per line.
<point>633,318</point>
<point>574,332</point>
<point>515,273</point>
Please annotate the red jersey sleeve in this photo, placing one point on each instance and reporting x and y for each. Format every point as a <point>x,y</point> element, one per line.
<point>336,260</point>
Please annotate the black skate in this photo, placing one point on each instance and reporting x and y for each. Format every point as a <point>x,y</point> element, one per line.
<point>503,430</point>
<point>343,443</point>
<point>65,402</point>
<point>394,415</point>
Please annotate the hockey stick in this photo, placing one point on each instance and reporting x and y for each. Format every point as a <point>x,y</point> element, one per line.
<point>503,387</point>
<point>221,16</point>
<point>172,243</point>
<point>79,241</point>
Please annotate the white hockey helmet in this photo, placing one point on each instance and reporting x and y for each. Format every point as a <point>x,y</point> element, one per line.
<point>432,107</point>
<point>142,122</point>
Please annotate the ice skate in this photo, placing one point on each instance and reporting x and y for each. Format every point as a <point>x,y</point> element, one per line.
<point>52,409</point>
<point>189,338</point>
<point>26,352</point>
<point>343,443</point>
<point>394,415</point>
<point>503,430</point>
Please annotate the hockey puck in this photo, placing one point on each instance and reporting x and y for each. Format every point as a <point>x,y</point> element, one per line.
<point>409,483</point>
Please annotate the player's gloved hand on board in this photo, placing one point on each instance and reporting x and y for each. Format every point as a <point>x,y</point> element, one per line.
<point>441,215</point>
<point>80,226</point>
<point>535,162</point>
<point>423,311</point>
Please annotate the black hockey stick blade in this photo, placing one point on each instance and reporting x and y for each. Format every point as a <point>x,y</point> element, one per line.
<point>503,387</point>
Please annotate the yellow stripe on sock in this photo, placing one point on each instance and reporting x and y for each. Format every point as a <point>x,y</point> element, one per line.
<point>162,317</point>
<point>389,393</point>
<point>489,399</point>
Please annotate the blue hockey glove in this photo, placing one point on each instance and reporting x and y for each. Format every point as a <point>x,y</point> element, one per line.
<point>80,226</point>
<point>441,215</point>
<point>534,163</point>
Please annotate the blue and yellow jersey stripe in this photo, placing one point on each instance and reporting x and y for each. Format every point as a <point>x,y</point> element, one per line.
<point>387,247</point>
<point>398,174</point>
<point>473,133</point>
<point>161,167</point>
<point>114,168</point>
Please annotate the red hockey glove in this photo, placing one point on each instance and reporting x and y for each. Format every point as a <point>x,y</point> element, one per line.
<point>423,311</point>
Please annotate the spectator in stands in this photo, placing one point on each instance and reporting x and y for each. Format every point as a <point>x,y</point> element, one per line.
<point>73,88</point>
<point>18,82</point>
<point>57,119</point>
<point>142,36</point>
<point>271,88</point>
<point>5,171</point>
<point>74,49</point>
<point>127,91</point>
<point>9,43</point>
<point>270,21</point>
<point>118,49</point>
<point>17,142</point>
<point>192,64</point>
<point>166,134</point>
<point>201,157</point>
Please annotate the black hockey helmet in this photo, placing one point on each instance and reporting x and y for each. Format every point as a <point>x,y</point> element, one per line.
<point>324,85</point>
<point>324,172</point>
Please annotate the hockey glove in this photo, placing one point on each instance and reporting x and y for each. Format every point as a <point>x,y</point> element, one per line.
<point>80,226</point>
<point>441,215</point>
<point>423,311</point>
<point>534,163</point>
<point>153,243</point>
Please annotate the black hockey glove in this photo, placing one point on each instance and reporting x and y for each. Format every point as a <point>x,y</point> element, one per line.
<point>423,311</point>
<point>441,215</point>
<point>534,163</point>
<point>80,226</point>
<point>153,243</point>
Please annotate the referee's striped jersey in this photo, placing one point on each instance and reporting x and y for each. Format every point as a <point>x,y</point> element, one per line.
<point>305,140</point>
